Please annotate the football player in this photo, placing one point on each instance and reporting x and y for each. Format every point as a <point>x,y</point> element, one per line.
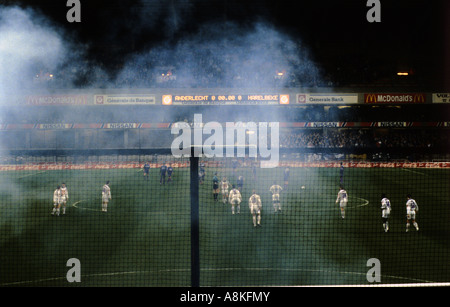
<point>235,199</point>
<point>56,201</point>
<point>162,173</point>
<point>169,173</point>
<point>275,189</point>
<point>341,174</point>
<point>342,199</point>
<point>215,182</point>
<point>201,173</point>
<point>224,186</point>
<point>64,197</point>
<point>146,170</point>
<point>286,177</point>
<point>385,211</point>
<point>106,196</point>
<point>411,209</point>
<point>255,205</point>
<point>240,183</point>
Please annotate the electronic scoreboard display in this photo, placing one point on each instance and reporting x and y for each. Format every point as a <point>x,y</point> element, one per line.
<point>226,99</point>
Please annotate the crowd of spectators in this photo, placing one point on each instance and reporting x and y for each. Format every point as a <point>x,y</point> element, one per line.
<point>365,138</point>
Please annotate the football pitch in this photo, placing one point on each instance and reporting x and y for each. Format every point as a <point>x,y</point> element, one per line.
<point>145,239</point>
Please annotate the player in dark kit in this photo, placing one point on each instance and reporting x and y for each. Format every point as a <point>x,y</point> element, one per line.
<point>234,165</point>
<point>146,170</point>
<point>162,173</point>
<point>240,183</point>
<point>286,177</point>
<point>201,173</point>
<point>215,186</point>
<point>169,173</point>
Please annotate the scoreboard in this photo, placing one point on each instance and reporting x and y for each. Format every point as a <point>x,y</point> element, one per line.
<point>226,99</point>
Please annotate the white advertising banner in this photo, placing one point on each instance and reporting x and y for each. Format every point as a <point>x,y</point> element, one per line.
<point>124,99</point>
<point>327,98</point>
<point>441,97</point>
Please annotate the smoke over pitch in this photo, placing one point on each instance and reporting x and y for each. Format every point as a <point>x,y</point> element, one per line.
<point>224,56</point>
<point>27,44</point>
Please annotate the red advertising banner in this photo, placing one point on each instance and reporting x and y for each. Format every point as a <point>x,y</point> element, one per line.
<point>133,165</point>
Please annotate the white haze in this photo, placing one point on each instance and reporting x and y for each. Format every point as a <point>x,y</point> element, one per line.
<point>227,55</point>
<point>27,43</point>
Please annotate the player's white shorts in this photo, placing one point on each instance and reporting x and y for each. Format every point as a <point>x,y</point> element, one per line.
<point>105,199</point>
<point>411,214</point>
<point>385,213</point>
<point>235,201</point>
<point>224,192</point>
<point>343,203</point>
<point>276,198</point>
<point>255,209</point>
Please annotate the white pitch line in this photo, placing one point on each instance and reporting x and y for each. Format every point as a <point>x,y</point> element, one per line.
<point>365,203</point>
<point>33,174</point>
<point>140,212</point>
<point>420,282</point>
<point>415,172</point>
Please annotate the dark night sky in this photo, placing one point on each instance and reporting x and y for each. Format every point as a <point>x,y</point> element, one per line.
<point>410,36</point>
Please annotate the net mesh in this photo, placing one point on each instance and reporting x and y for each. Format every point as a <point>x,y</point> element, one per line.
<point>144,238</point>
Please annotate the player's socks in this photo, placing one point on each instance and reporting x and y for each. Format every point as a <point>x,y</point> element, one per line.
<point>57,212</point>
<point>416,225</point>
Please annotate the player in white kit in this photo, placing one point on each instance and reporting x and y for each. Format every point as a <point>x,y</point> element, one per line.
<point>342,199</point>
<point>276,189</point>
<point>64,197</point>
<point>255,205</point>
<point>56,201</point>
<point>411,209</point>
<point>224,186</point>
<point>106,196</point>
<point>385,211</point>
<point>235,199</point>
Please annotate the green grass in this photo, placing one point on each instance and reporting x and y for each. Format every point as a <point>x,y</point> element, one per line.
<point>144,238</point>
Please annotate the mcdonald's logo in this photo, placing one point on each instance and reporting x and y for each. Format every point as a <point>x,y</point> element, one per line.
<point>394,98</point>
<point>419,98</point>
<point>370,98</point>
